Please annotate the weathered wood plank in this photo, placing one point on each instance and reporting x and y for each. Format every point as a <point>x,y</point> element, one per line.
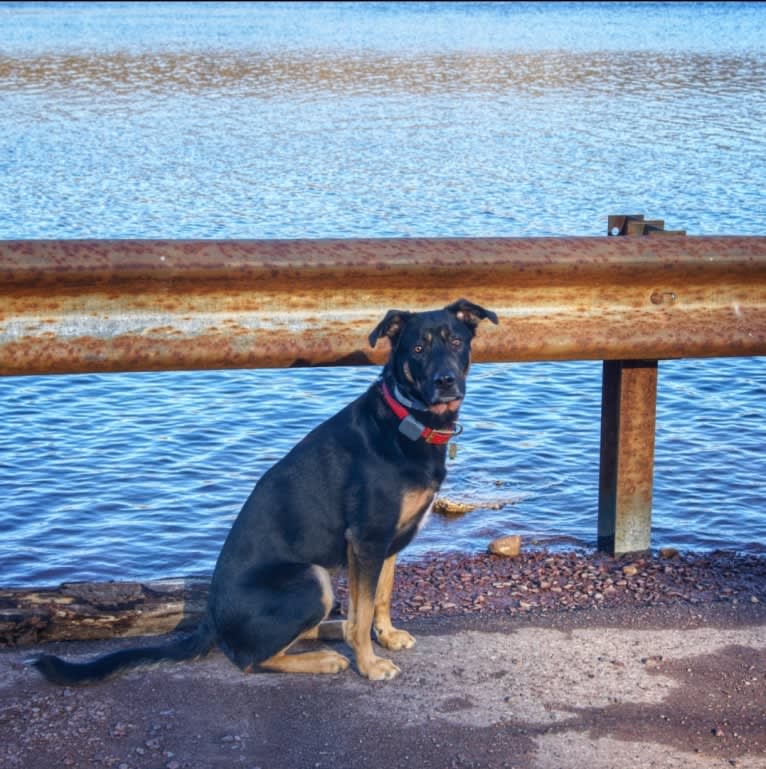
<point>91,610</point>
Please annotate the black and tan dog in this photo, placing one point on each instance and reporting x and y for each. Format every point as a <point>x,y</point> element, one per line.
<point>352,493</point>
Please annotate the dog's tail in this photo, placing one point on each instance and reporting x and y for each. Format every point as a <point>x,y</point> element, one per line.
<point>59,671</point>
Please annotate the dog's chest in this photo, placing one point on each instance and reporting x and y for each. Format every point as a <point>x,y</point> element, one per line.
<point>414,509</point>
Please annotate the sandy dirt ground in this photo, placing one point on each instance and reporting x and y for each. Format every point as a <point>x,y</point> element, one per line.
<point>660,684</point>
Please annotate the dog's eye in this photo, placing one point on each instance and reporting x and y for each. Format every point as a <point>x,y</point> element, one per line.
<point>418,348</point>
<point>456,342</point>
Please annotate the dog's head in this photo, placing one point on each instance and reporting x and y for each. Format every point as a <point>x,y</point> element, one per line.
<point>431,352</point>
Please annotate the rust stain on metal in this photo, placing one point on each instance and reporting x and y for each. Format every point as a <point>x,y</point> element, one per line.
<point>77,306</point>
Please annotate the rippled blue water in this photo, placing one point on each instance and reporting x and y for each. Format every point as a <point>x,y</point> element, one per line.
<point>383,119</point>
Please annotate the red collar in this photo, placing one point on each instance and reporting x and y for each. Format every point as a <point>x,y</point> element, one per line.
<point>413,429</point>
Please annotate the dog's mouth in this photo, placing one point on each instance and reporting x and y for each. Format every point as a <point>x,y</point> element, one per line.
<point>443,407</point>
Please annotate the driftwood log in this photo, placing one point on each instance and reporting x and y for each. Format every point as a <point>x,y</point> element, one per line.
<point>78,611</point>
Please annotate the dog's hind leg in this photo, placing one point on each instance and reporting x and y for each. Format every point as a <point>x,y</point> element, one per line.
<point>385,633</point>
<point>322,661</point>
<point>275,606</point>
<point>327,630</point>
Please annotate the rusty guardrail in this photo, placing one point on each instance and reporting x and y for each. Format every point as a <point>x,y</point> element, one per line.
<point>132,305</point>
<point>139,305</point>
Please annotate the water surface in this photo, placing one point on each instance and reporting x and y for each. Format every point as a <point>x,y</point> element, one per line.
<point>259,120</point>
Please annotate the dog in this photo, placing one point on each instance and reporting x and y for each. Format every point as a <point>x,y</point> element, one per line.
<point>353,493</point>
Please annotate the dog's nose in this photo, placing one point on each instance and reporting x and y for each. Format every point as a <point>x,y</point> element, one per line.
<point>444,381</point>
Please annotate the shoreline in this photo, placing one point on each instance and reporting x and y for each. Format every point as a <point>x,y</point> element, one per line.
<point>438,587</point>
<point>541,581</point>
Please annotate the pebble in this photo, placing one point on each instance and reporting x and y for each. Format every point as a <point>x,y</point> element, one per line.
<point>668,552</point>
<point>509,546</point>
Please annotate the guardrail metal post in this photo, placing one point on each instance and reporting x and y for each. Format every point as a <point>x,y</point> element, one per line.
<point>628,422</point>
<point>628,409</point>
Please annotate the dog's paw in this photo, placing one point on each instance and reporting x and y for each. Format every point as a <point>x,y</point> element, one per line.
<point>394,639</point>
<point>380,669</point>
<point>333,662</point>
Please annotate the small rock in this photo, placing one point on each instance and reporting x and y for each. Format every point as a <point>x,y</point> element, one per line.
<point>668,552</point>
<point>509,546</point>
<point>448,507</point>
<point>630,570</point>
<point>754,599</point>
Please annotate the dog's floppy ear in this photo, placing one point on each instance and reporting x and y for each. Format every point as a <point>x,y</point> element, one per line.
<point>470,313</point>
<point>391,326</point>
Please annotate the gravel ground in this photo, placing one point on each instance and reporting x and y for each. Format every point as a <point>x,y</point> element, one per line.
<point>539,582</point>
<point>545,661</point>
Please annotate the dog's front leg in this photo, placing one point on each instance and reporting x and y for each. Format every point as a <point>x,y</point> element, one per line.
<point>363,576</point>
<point>387,635</point>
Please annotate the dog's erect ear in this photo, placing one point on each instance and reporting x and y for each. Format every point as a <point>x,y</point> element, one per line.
<point>391,326</point>
<point>470,313</point>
